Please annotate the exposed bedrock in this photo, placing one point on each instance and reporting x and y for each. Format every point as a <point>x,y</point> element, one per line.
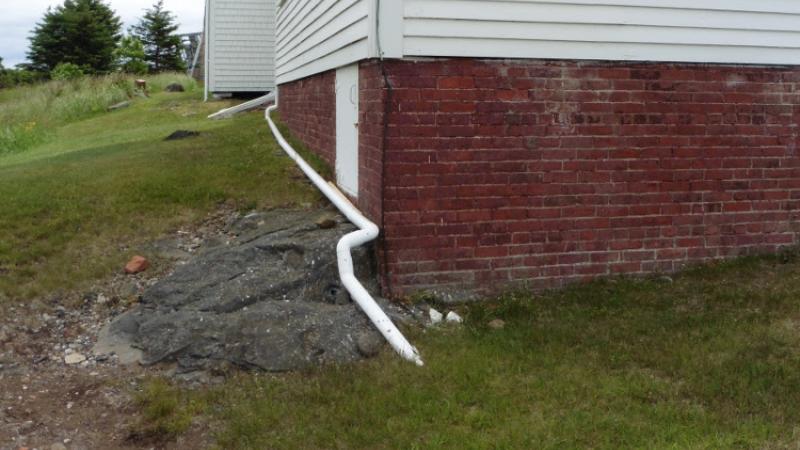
<point>270,299</point>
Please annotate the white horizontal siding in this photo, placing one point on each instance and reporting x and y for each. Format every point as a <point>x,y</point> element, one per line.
<point>241,46</point>
<point>318,35</point>
<point>714,31</point>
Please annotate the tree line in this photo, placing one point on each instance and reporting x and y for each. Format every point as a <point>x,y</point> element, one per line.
<point>85,37</point>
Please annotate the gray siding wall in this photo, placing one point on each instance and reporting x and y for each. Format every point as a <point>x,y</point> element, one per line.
<point>241,45</point>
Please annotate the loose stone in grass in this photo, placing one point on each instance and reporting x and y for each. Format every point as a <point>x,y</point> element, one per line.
<point>497,324</point>
<point>436,316</point>
<point>137,264</point>
<point>174,87</point>
<point>74,358</point>
<point>452,317</point>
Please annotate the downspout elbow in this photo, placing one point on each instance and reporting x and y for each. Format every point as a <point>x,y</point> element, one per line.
<point>367,232</point>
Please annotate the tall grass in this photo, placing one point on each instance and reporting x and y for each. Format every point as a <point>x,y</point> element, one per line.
<point>29,114</point>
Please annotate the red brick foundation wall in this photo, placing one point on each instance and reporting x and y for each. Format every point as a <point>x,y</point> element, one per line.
<point>539,173</point>
<point>308,108</point>
<point>502,173</point>
<point>372,97</point>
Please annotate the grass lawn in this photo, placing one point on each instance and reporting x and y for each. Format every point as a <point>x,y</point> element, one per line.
<point>711,360</point>
<point>95,185</point>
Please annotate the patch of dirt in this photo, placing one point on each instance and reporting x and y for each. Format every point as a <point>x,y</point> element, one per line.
<point>46,402</point>
<point>57,392</point>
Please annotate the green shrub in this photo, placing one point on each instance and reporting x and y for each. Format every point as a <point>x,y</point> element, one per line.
<point>66,71</point>
<point>15,77</point>
<point>130,56</point>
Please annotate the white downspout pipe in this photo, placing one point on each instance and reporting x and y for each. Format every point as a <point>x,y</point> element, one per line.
<point>367,232</point>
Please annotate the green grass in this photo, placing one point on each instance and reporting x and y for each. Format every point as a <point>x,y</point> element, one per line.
<point>30,114</point>
<point>78,204</point>
<point>166,413</point>
<point>709,361</point>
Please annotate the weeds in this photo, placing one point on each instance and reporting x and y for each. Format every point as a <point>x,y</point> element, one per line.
<point>29,114</point>
<point>166,411</point>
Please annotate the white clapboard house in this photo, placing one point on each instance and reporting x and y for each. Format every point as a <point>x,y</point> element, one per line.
<point>239,44</point>
<point>539,142</point>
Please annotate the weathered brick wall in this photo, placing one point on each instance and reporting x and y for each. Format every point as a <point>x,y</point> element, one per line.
<point>308,108</point>
<point>542,173</point>
<point>372,96</point>
<point>509,172</point>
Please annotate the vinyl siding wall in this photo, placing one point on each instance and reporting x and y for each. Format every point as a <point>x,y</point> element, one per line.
<point>713,31</point>
<point>241,45</point>
<point>318,35</point>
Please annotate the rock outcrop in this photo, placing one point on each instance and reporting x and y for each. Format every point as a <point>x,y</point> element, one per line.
<point>270,300</point>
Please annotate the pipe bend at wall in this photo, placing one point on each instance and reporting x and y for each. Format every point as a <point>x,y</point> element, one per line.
<point>367,232</point>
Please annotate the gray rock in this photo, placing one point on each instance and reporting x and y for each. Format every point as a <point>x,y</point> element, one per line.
<point>168,248</point>
<point>119,105</point>
<point>370,343</point>
<point>174,87</point>
<point>74,358</point>
<point>271,300</point>
<point>116,339</point>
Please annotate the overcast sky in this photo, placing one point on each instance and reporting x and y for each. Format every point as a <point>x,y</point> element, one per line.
<point>18,17</point>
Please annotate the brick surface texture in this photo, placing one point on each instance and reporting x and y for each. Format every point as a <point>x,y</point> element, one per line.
<point>501,173</point>
<point>308,108</point>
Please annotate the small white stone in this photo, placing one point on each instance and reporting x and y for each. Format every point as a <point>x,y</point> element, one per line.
<point>74,358</point>
<point>436,316</point>
<point>452,317</point>
<point>102,299</point>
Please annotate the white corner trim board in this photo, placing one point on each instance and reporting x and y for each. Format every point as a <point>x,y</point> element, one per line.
<point>367,231</point>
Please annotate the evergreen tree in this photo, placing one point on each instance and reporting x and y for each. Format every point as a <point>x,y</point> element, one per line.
<point>4,78</point>
<point>81,32</point>
<point>162,47</point>
<point>130,56</point>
